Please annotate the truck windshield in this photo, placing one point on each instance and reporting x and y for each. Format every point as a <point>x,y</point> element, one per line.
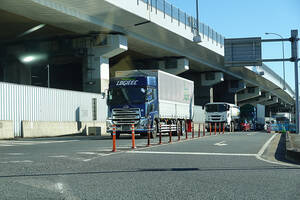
<point>128,95</point>
<point>215,108</point>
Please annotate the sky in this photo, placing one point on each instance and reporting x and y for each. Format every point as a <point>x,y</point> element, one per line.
<point>252,18</point>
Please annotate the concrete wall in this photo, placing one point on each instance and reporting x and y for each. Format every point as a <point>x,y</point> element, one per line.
<point>48,129</point>
<point>51,129</point>
<point>6,129</point>
<point>93,128</point>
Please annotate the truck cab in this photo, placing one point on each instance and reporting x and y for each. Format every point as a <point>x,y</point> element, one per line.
<point>131,100</point>
<point>220,113</point>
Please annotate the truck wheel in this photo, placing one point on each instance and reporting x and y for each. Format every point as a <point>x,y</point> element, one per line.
<point>154,132</point>
<point>177,128</point>
<point>183,122</point>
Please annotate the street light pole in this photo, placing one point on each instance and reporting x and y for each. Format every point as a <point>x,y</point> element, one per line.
<point>283,62</point>
<point>48,66</point>
<point>197,13</point>
<point>294,40</point>
<point>197,37</point>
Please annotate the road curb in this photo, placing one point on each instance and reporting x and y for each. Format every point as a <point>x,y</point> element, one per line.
<point>292,153</point>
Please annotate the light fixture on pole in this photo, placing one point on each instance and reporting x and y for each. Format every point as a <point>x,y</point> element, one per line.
<point>197,37</point>
<point>283,63</point>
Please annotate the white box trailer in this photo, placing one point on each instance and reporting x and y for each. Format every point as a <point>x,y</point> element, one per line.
<point>175,94</point>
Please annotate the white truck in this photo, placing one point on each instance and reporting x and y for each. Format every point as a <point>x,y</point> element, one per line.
<point>220,113</point>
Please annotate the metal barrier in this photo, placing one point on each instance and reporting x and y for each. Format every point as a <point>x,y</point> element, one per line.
<point>168,129</point>
<point>148,135</point>
<point>133,136</point>
<point>179,132</point>
<point>170,134</point>
<point>193,131</point>
<point>114,138</point>
<point>215,128</point>
<point>160,128</point>
<point>182,17</point>
<point>186,131</point>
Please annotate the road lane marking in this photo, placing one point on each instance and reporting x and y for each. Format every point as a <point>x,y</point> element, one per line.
<point>191,153</point>
<point>86,153</point>
<point>265,146</point>
<point>16,161</point>
<point>221,143</point>
<point>58,156</point>
<point>263,149</point>
<point>14,154</point>
<point>20,143</point>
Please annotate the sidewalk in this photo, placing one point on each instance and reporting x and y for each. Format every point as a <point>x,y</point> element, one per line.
<point>293,147</point>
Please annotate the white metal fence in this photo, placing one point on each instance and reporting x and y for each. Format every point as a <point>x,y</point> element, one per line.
<point>20,102</point>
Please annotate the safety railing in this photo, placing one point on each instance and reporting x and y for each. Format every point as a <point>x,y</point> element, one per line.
<point>183,18</point>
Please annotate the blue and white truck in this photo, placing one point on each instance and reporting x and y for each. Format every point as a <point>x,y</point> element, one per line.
<point>149,98</point>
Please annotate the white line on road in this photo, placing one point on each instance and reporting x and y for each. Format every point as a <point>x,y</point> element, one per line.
<point>17,161</point>
<point>58,156</point>
<point>190,153</point>
<point>221,144</point>
<point>262,150</point>
<point>14,154</point>
<point>264,147</point>
<point>31,142</point>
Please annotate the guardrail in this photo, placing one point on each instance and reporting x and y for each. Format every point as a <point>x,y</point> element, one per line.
<point>182,17</point>
<point>281,128</point>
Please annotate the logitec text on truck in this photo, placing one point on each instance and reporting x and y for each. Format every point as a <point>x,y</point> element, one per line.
<point>149,98</point>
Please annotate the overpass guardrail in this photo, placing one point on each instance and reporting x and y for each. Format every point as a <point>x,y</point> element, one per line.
<point>182,17</point>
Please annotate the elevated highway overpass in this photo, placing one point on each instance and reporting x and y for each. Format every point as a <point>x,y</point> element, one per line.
<point>136,34</point>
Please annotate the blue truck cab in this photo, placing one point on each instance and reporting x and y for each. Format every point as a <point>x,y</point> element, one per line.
<point>132,100</point>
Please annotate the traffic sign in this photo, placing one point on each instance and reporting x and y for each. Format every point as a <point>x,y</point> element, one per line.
<point>243,52</point>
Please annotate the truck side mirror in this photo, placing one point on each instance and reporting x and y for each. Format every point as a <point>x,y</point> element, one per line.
<point>102,94</point>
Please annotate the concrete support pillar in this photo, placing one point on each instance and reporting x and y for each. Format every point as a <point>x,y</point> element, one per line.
<point>235,99</point>
<point>211,95</point>
<point>96,68</point>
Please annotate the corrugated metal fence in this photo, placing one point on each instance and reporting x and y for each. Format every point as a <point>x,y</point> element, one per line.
<point>20,102</point>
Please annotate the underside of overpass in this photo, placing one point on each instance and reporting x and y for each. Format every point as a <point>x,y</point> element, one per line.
<point>76,66</point>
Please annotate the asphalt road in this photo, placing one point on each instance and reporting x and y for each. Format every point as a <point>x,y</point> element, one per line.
<point>229,166</point>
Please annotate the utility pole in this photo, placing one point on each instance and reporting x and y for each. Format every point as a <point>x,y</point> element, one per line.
<point>197,37</point>
<point>294,41</point>
<point>48,66</point>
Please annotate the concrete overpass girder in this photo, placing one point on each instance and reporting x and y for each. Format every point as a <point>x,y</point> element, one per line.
<point>274,100</point>
<point>236,86</point>
<point>211,78</point>
<point>174,65</point>
<point>248,93</point>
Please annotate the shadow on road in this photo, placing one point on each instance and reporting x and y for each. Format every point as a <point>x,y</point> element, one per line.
<point>152,170</point>
<point>280,151</point>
